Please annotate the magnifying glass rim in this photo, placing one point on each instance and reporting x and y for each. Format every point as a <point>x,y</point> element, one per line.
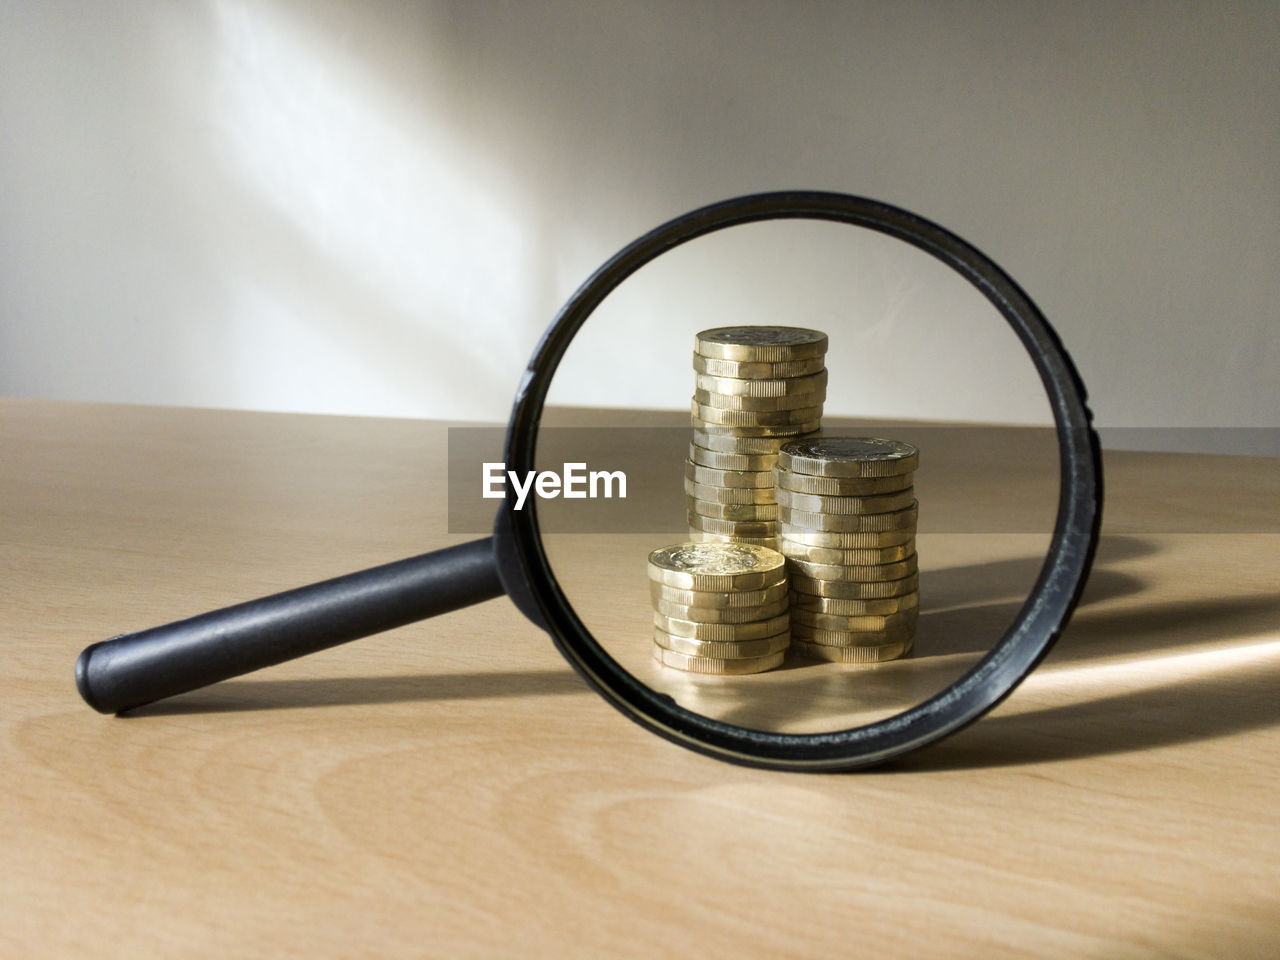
<point>1024,644</point>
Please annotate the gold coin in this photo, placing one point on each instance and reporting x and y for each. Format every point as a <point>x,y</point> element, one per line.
<point>724,401</point>
<point>854,608</point>
<point>752,370</point>
<point>717,566</point>
<point>754,418</point>
<point>865,556</point>
<point>744,446</point>
<point>731,511</point>
<point>851,523</point>
<point>856,623</point>
<point>847,506</point>
<point>722,649</point>
<point>783,431</point>
<point>841,486</point>
<point>754,630</point>
<point>846,540</point>
<point>761,387</point>
<point>864,574</point>
<point>704,536</point>
<point>849,457</point>
<point>718,599</point>
<point>680,611</point>
<point>714,665</point>
<point>851,638</point>
<point>865,653</point>
<point>855,589</point>
<point>717,460</point>
<point>733,528</point>
<point>759,479</point>
<point>761,344</point>
<point>718,494</point>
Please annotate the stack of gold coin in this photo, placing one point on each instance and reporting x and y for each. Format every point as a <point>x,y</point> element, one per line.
<point>847,514</point>
<point>757,387</point>
<point>719,608</point>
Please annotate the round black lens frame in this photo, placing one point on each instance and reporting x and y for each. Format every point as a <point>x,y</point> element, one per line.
<point>1041,618</point>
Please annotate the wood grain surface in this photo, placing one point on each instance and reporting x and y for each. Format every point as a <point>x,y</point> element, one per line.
<point>452,789</point>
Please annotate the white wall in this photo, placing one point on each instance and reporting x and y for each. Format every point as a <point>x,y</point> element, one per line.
<point>377,207</point>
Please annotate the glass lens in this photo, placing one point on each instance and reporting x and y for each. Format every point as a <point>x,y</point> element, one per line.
<point>915,353</point>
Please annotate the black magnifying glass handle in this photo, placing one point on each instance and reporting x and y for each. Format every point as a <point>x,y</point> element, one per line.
<point>138,668</point>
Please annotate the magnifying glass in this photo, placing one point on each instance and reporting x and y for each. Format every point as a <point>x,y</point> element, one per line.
<point>532,565</point>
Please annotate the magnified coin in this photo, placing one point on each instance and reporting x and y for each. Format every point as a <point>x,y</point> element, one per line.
<point>735,529</point>
<point>695,664</point>
<point>854,607</point>
<point>862,653</point>
<point>850,523</point>
<point>761,344</point>
<point>841,486</point>
<point>846,540</point>
<point>852,590</point>
<point>729,477</point>
<point>721,631</point>
<point>743,445</point>
<point>723,649</point>
<point>748,369</point>
<point>850,457</point>
<point>755,418</point>
<point>817,503</point>
<point>855,623</point>
<point>718,598</point>
<point>895,570</point>
<point>733,401</point>
<point>683,611</point>
<point>815,383</point>
<point>738,432</point>
<point>865,556</point>
<point>714,567</point>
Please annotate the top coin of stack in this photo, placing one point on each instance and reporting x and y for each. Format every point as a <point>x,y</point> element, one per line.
<point>719,608</point>
<point>756,388</point>
<point>848,511</point>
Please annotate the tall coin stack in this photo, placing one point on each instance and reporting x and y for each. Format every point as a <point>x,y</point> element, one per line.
<point>719,608</point>
<point>847,514</point>
<point>757,387</point>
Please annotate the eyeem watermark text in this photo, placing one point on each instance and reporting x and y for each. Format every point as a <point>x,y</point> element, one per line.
<point>574,483</point>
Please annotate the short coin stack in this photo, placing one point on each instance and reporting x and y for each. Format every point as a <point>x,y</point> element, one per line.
<point>757,387</point>
<point>719,608</point>
<point>847,513</point>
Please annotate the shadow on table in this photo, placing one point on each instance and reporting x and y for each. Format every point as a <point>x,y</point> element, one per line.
<point>236,695</point>
<point>1226,685</point>
<point>967,608</point>
<point>1168,644</point>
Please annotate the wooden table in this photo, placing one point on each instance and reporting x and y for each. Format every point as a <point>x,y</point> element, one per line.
<point>452,789</point>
